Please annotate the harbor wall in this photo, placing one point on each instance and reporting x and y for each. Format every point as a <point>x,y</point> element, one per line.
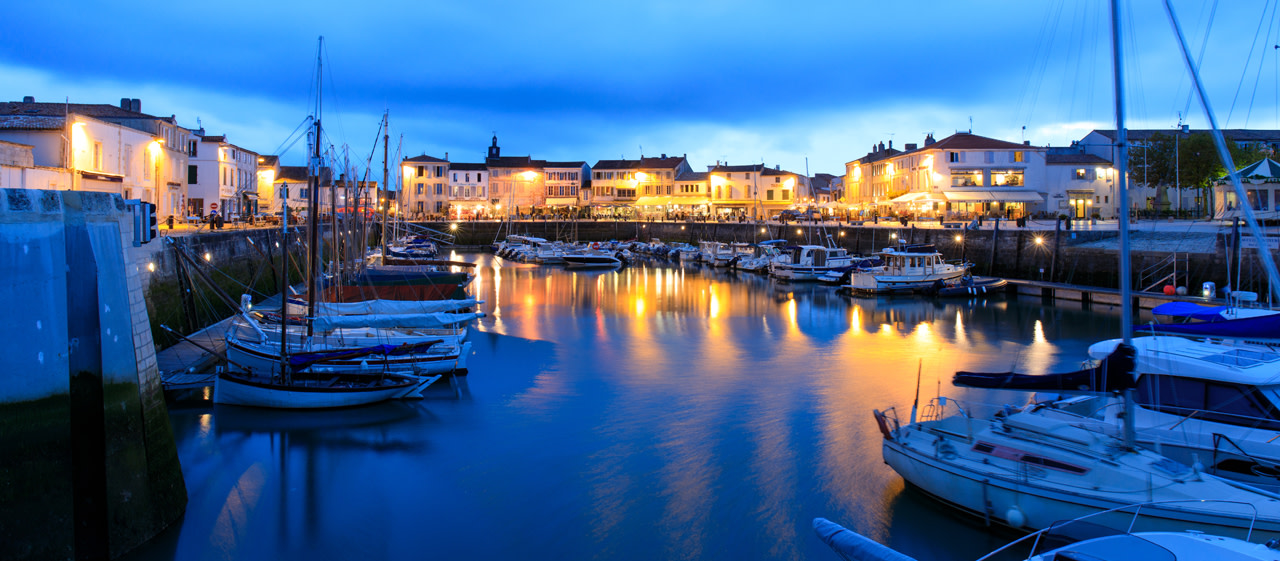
<point>1068,256</point>
<point>89,468</point>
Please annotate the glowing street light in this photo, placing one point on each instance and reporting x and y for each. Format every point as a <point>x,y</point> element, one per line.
<point>1039,240</point>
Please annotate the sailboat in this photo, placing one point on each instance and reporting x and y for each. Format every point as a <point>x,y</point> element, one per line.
<point>320,377</point>
<point>1022,469</point>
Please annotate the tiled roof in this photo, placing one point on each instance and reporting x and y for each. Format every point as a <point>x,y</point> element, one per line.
<point>1075,158</point>
<point>692,176</point>
<point>425,158</point>
<point>467,167</point>
<point>968,141</point>
<point>298,174</point>
<point>616,164</point>
<point>269,161</point>
<point>512,162</point>
<point>32,122</point>
<point>99,110</point>
<point>661,163</point>
<point>564,164</point>
<point>724,168</point>
<point>879,155</point>
<point>220,138</point>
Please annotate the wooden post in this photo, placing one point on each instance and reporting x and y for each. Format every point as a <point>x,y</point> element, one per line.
<point>995,242</point>
<point>1053,263</point>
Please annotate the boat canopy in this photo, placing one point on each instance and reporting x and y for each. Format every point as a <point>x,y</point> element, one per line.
<point>1190,310</point>
<point>390,321</point>
<point>1114,373</point>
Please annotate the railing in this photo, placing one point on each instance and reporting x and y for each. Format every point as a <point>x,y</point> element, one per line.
<point>1166,271</point>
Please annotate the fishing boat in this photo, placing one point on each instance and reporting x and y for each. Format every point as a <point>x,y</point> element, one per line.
<point>809,262</point>
<point>907,269</point>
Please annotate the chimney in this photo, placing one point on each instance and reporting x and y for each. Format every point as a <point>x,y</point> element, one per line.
<point>891,144</point>
<point>910,147</point>
<point>1026,143</point>
<point>928,139</point>
<point>664,156</point>
<point>135,105</point>
<point>881,146</point>
<point>1186,129</point>
<point>124,103</point>
<point>446,156</point>
<point>29,99</point>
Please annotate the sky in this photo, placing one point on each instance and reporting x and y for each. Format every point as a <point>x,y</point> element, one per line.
<point>807,85</point>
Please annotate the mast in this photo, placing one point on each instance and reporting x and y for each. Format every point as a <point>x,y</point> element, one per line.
<point>1122,185</point>
<point>313,202</point>
<point>386,187</point>
<point>284,283</point>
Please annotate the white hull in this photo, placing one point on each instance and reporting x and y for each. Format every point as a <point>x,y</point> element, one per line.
<point>264,358</point>
<point>234,390</point>
<point>880,283</point>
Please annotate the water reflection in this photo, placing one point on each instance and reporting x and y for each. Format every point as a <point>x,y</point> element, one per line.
<point>658,411</point>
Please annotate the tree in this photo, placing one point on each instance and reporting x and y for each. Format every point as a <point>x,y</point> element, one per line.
<point>1196,158</point>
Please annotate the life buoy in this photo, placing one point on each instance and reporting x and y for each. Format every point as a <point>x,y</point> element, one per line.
<point>595,245</point>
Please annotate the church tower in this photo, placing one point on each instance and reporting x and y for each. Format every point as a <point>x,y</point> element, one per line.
<point>494,151</point>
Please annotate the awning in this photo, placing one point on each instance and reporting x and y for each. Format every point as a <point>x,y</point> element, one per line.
<point>989,196</point>
<point>562,201</point>
<point>653,201</point>
<point>917,197</point>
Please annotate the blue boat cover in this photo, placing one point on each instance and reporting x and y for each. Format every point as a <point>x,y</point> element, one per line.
<point>1190,310</point>
<point>303,360</point>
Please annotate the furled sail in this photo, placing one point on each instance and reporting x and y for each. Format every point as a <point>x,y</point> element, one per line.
<point>1113,373</point>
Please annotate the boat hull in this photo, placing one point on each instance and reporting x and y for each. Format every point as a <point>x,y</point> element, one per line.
<point>230,389</point>
<point>264,359</point>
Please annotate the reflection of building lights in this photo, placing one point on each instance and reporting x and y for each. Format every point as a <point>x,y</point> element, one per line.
<point>453,227</point>
<point>799,231</point>
<point>958,238</point>
<point>639,306</point>
<point>762,230</point>
<point>151,267</point>
<point>207,256</point>
<point>842,233</point>
<point>893,236</point>
<point>1039,240</point>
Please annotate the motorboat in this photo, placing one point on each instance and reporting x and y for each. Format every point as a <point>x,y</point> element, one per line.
<point>910,268</point>
<point>1240,320</point>
<point>713,253</point>
<point>762,254</point>
<point>591,259</point>
<point>808,262</point>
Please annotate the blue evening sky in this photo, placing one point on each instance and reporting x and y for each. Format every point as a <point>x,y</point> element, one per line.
<point>742,80</point>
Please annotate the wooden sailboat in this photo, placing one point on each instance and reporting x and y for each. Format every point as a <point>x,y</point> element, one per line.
<point>323,379</point>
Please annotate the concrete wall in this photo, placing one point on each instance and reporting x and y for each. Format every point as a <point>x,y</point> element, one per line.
<point>90,469</point>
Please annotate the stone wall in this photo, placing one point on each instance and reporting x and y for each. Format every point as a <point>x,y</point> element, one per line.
<point>89,468</point>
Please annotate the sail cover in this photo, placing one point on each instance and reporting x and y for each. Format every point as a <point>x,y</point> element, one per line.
<point>303,360</point>
<point>1114,373</point>
<point>387,321</point>
<point>299,307</point>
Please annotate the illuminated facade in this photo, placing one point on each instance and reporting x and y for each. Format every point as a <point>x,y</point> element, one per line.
<point>423,185</point>
<point>99,147</point>
<point>647,185</point>
<point>564,182</point>
<point>755,191</point>
<point>469,191</point>
<point>221,176</point>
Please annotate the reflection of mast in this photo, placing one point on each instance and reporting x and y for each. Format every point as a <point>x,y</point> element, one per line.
<point>386,139</point>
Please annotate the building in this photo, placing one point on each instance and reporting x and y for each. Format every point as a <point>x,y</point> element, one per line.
<point>422,186</point>
<point>1080,185</point>
<point>268,170</point>
<point>469,191</point>
<point>19,171</point>
<point>643,185</point>
<point>755,190</point>
<point>692,196</point>
<point>960,176</point>
<point>564,183</point>
<point>221,176</point>
<point>295,183</point>
<point>516,183</point>
<point>100,147</point>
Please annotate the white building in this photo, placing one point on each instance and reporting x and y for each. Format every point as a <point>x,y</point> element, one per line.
<point>422,186</point>
<point>100,147</point>
<point>221,176</point>
<point>564,181</point>
<point>469,191</point>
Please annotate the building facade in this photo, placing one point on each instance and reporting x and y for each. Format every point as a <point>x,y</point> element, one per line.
<point>422,187</point>
<point>221,177</point>
<point>469,191</point>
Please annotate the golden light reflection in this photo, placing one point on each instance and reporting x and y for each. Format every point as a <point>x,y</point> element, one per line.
<point>962,337</point>
<point>639,306</point>
<point>791,310</point>
<point>715,303</point>
<point>206,423</point>
<point>855,321</point>
<point>1038,337</point>
<point>923,332</point>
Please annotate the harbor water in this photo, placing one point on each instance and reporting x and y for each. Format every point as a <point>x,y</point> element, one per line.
<point>659,411</point>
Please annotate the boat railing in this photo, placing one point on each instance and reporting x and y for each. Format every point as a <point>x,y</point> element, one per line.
<point>1036,538</point>
<point>937,409</point>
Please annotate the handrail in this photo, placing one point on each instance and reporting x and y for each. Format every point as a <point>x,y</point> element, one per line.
<point>1137,512</point>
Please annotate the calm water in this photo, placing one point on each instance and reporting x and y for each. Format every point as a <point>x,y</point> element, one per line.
<point>658,412</point>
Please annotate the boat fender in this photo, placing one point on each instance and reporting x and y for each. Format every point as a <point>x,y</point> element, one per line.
<point>1015,517</point>
<point>883,424</point>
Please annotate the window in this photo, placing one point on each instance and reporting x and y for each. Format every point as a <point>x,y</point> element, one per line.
<point>1257,199</point>
<point>989,157</point>
<point>193,174</point>
<point>97,155</point>
<point>439,171</point>
<point>478,176</point>
<point>419,206</point>
<point>1081,173</point>
<point>439,206</point>
<point>455,176</point>
<point>966,178</point>
<point>439,188</point>
<point>1215,401</point>
<point>1016,156</point>
<point>1006,177</point>
<point>777,179</point>
<point>421,170</point>
<point>419,189</point>
<point>954,157</point>
<point>786,195</point>
<point>768,195</point>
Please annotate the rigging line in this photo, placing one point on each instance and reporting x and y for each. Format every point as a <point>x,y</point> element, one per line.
<point>333,93</point>
<point>293,136</point>
<point>1245,70</point>
<point>1134,70</point>
<point>1040,52</point>
<point>1213,12</point>
<point>1261,57</point>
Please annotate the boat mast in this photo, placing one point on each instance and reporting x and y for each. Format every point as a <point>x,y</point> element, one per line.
<point>284,284</point>
<point>313,202</point>
<point>1122,185</point>
<point>1268,263</point>
<point>386,177</point>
